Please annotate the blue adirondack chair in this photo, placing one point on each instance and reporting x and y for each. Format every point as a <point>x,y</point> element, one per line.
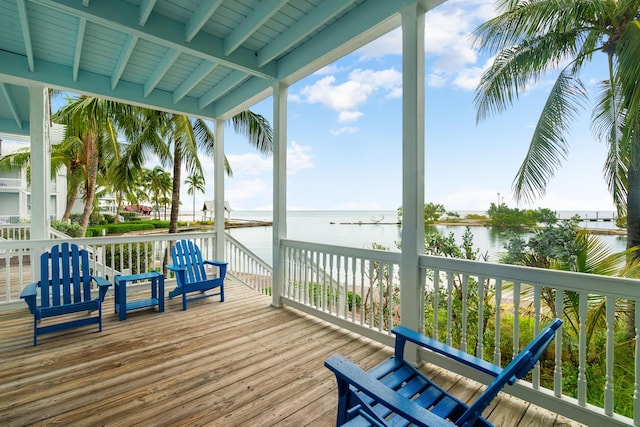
<point>396,393</point>
<point>191,275</point>
<point>64,288</point>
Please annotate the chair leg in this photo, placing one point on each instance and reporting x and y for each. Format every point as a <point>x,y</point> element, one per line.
<point>184,301</point>
<point>35,331</point>
<point>222,293</point>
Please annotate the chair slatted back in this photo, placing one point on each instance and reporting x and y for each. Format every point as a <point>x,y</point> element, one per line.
<point>518,368</point>
<point>187,255</point>
<point>64,276</point>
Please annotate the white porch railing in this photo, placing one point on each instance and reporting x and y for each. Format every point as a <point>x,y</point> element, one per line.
<point>108,256</point>
<point>490,310</point>
<point>12,184</point>
<point>247,267</point>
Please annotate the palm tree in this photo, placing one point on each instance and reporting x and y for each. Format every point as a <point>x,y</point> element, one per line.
<point>535,37</point>
<point>188,137</point>
<point>158,184</point>
<point>92,125</point>
<point>194,182</point>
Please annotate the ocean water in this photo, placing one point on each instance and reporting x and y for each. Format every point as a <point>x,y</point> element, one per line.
<point>361,229</point>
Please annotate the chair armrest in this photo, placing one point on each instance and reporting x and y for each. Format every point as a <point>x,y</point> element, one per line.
<point>29,294</point>
<point>220,264</point>
<point>353,375</point>
<point>216,263</point>
<point>103,286</point>
<point>404,334</point>
<point>175,268</point>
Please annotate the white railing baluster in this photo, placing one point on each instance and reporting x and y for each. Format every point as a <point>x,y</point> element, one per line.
<point>535,376</point>
<point>582,350</point>
<point>608,386</point>
<point>449,307</point>
<point>636,367</point>
<point>557,370</point>
<point>497,355</point>
<point>465,309</point>
<point>516,319</point>
<point>479,341</point>
<point>436,301</point>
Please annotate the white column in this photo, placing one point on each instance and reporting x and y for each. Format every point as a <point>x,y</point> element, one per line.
<point>40,162</point>
<point>40,171</point>
<point>218,189</point>
<point>279,187</point>
<point>412,313</point>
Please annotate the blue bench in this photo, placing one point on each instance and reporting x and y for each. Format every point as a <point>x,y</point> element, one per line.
<point>396,393</point>
<point>64,288</point>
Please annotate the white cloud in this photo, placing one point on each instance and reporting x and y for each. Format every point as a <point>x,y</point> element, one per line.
<point>246,192</point>
<point>347,130</point>
<point>389,44</point>
<point>349,116</point>
<point>330,69</point>
<point>292,97</point>
<point>250,164</point>
<point>395,93</point>
<point>435,80</point>
<point>355,91</point>
<point>298,158</point>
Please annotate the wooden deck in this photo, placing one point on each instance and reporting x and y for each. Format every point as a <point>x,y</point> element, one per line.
<point>241,362</point>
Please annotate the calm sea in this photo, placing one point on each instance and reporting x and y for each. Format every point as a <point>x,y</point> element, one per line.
<point>360,229</point>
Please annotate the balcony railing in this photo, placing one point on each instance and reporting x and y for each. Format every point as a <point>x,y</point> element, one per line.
<point>12,184</point>
<point>490,310</point>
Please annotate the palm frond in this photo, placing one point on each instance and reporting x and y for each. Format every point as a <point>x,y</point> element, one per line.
<point>548,145</point>
<point>256,128</point>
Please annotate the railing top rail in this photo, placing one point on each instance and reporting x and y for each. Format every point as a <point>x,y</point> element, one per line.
<point>42,243</point>
<point>570,281</point>
<point>249,252</point>
<point>374,254</point>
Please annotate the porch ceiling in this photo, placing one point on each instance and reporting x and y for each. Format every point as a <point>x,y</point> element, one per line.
<point>203,58</point>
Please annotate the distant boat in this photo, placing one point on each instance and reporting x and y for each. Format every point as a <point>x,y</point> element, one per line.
<point>377,219</point>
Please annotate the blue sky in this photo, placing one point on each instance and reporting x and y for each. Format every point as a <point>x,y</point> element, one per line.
<point>344,133</point>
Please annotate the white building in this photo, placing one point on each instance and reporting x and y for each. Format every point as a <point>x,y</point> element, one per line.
<point>15,192</point>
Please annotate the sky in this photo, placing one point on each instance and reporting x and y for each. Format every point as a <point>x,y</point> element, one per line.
<point>344,133</point>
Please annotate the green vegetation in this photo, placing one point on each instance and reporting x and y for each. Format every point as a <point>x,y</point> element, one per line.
<point>532,39</point>
<point>504,217</point>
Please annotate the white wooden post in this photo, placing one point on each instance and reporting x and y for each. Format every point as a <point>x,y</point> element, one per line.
<point>412,310</point>
<point>218,189</point>
<point>279,187</point>
<point>40,170</point>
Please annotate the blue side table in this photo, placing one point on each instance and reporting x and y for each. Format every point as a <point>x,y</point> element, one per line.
<point>157,293</point>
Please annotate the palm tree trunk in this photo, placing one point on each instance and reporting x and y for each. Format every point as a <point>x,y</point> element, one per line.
<point>175,194</point>
<point>633,226</point>
<point>92,177</point>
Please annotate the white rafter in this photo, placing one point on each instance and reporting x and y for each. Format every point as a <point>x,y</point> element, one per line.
<point>145,10</point>
<point>123,16</point>
<point>26,33</point>
<point>190,82</point>
<point>82,24</point>
<point>163,66</point>
<point>298,31</point>
<point>260,15</point>
<point>200,17</point>
<point>11,103</point>
<point>123,59</point>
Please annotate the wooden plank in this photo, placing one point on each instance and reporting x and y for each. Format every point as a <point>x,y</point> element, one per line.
<point>241,362</point>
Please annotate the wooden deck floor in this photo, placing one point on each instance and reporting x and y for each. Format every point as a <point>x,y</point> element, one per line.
<point>241,362</point>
